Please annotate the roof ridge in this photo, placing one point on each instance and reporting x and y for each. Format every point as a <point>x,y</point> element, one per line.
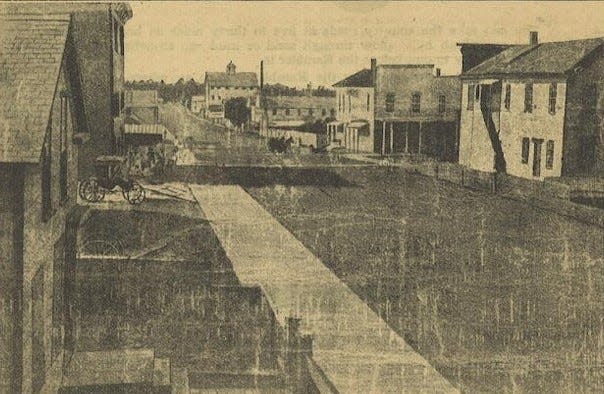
<point>46,17</point>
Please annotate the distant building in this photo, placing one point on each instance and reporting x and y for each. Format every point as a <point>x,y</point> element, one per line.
<point>42,118</point>
<point>295,111</point>
<point>198,104</point>
<point>398,109</point>
<point>98,30</point>
<point>141,107</point>
<point>535,110</point>
<point>222,86</point>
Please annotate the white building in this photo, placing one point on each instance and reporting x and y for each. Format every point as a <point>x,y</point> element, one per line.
<point>222,86</point>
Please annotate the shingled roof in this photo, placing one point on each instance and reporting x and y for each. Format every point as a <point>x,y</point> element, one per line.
<point>361,79</point>
<point>31,52</point>
<point>549,58</point>
<point>239,79</point>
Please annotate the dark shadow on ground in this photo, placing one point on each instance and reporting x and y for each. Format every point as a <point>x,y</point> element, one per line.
<point>259,176</point>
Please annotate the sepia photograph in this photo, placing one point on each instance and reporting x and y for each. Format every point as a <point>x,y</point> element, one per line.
<point>241,197</point>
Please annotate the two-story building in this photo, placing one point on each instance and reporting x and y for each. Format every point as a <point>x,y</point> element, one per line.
<point>295,111</point>
<point>98,29</point>
<point>354,124</point>
<point>223,86</point>
<point>416,111</point>
<point>535,110</point>
<point>42,118</point>
<point>397,108</point>
<point>198,104</point>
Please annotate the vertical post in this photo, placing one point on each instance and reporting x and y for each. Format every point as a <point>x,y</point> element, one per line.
<point>383,137</point>
<point>391,138</point>
<point>419,143</point>
<point>406,137</point>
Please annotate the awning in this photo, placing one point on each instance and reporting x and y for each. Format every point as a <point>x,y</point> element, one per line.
<point>150,128</point>
<point>357,125</point>
<point>335,123</point>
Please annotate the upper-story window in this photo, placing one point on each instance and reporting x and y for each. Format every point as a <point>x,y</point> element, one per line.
<point>311,111</point>
<point>528,97</point>
<point>349,103</point>
<point>287,111</point>
<point>553,93</point>
<point>332,112</point>
<point>323,112</point>
<point>416,99</point>
<point>470,104</point>
<point>442,104</point>
<point>274,111</point>
<point>526,145</point>
<point>299,112</point>
<point>507,100</point>
<point>390,102</point>
<point>368,101</point>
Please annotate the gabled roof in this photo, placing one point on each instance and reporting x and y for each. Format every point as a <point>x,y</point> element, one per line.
<point>361,79</point>
<point>239,79</point>
<point>549,58</point>
<point>31,52</point>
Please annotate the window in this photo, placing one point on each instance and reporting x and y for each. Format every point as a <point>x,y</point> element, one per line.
<point>442,104</point>
<point>528,97</point>
<point>212,97</point>
<point>549,154</point>
<point>349,103</point>
<point>390,102</point>
<point>477,92</point>
<point>553,93</point>
<point>416,99</point>
<point>323,112</point>
<point>332,112</point>
<point>526,145</point>
<point>507,101</point>
<point>311,111</point>
<point>47,175</point>
<point>63,142</point>
<point>470,105</point>
<point>114,33</point>
<point>299,112</point>
<point>274,111</point>
<point>287,111</point>
<point>368,101</point>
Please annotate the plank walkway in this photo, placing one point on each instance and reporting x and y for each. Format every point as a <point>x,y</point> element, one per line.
<point>355,349</point>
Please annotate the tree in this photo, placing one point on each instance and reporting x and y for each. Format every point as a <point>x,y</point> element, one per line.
<point>237,111</point>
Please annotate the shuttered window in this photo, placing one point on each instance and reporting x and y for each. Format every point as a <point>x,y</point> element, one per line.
<point>549,155</point>
<point>507,101</point>
<point>553,93</point>
<point>416,99</point>
<point>442,104</point>
<point>525,150</point>
<point>390,102</point>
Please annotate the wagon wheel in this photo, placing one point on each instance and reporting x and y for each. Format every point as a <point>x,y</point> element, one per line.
<point>92,191</point>
<point>81,187</point>
<point>136,193</point>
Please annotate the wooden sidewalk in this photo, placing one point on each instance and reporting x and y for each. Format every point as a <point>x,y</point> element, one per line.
<point>355,349</point>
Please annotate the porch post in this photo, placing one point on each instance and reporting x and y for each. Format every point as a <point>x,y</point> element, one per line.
<point>419,145</point>
<point>383,137</point>
<point>406,137</point>
<point>391,137</point>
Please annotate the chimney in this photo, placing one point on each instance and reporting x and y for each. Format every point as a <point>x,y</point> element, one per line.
<point>438,72</point>
<point>373,70</point>
<point>261,74</point>
<point>534,38</point>
<point>309,89</point>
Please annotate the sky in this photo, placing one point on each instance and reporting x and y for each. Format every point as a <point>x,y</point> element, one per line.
<point>323,42</point>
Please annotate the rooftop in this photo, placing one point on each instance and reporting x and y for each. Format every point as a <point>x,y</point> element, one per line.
<point>31,52</point>
<point>546,58</point>
<point>361,79</point>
